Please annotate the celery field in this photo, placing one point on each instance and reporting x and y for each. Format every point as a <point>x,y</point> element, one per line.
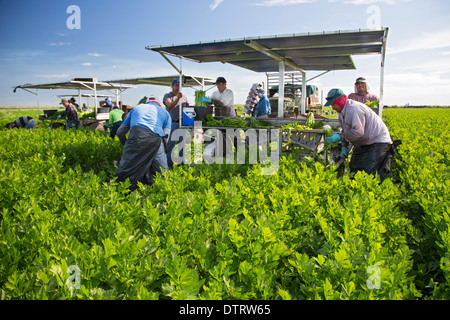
<point>224,231</point>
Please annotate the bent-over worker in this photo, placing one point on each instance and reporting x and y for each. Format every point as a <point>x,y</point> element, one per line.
<point>71,112</point>
<point>26,122</point>
<point>143,154</point>
<point>115,120</point>
<point>373,146</point>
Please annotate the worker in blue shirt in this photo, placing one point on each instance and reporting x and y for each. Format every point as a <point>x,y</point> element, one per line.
<point>262,109</point>
<point>144,154</point>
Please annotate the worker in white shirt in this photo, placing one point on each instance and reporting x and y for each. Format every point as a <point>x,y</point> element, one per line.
<point>222,99</point>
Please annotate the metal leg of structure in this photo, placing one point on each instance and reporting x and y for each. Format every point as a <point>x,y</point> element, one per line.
<point>304,93</point>
<point>383,57</point>
<point>281,90</point>
<point>95,99</point>
<point>79,98</point>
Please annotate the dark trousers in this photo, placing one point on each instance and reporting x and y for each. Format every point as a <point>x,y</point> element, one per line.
<point>373,159</point>
<point>114,128</point>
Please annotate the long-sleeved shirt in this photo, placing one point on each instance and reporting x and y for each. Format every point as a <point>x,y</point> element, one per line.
<point>363,98</point>
<point>225,105</point>
<point>361,126</point>
<point>22,122</point>
<point>71,113</point>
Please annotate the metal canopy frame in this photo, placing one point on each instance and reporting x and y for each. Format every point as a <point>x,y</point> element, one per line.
<point>187,80</point>
<point>324,51</point>
<point>79,85</point>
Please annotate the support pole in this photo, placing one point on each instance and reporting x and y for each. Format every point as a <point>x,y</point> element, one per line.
<point>383,58</point>
<point>37,100</point>
<point>281,90</point>
<point>95,99</point>
<point>304,93</point>
<point>79,98</point>
<point>181,85</point>
<point>117,97</point>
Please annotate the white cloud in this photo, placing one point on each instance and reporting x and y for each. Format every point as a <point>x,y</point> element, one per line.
<point>60,43</point>
<point>433,66</point>
<point>416,88</point>
<point>95,54</point>
<point>273,3</point>
<point>86,64</point>
<point>426,40</point>
<point>215,4</point>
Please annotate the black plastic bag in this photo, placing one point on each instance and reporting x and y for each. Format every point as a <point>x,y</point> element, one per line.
<point>138,154</point>
<point>374,159</point>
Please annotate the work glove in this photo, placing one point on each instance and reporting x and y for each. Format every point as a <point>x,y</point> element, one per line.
<point>335,137</point>
<point>344,152</point>
<point>205,99</point>
<point>59,117</point>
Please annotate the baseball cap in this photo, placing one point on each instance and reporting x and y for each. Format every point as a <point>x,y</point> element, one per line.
<point>333,94</point>
<point>152,99</point>
<point>175,81</point>
<point>361,79</point>
<point>221,80</point>
<point>63,100</point>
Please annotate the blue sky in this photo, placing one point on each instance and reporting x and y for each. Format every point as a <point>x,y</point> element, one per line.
<point>37,46</point>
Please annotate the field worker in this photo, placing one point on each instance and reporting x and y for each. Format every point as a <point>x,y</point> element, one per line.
<point>172,101</point>
<point>262,109</point>
<point>74,102</point>
<point>366,131</point>
<point>115,120</point>
<point>85,108</point>
<point>108,102</point>
<point>25,122</point>
<point>222,99</point>
<point>361,93</point>
<point>143,155</point>
<point>72,115</point>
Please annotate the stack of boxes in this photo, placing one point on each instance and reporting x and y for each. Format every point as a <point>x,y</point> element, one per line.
<point>252,98</point>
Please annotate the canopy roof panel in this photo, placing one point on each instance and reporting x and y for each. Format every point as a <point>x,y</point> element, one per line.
<point>75,85</point>
<point>321,51</point>
<point>188,81</point>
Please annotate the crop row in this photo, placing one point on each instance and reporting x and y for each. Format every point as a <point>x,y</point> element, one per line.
<point>220,231</point>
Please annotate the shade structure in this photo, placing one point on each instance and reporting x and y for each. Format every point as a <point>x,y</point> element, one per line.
<point>79,84</point>
<point>75,85</point>
<point>187,81</point>
<point>325,51</point>
<point>301,52</point>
